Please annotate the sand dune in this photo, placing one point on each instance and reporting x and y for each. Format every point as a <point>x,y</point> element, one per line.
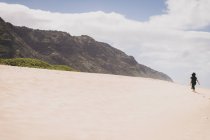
<point>37,104</point>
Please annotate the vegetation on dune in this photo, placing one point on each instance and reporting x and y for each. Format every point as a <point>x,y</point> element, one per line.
<point>62,67</point>
<point>33,63</point>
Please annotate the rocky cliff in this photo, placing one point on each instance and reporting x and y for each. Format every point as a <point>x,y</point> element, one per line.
<point>82,53</point>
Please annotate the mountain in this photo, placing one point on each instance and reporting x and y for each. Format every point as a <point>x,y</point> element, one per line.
<point>82,53</point>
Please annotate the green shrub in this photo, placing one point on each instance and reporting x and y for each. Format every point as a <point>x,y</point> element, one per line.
<point>33,63</point>
<point>62,67</point>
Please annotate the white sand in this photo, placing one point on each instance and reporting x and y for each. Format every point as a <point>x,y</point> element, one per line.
<point>38,104</point>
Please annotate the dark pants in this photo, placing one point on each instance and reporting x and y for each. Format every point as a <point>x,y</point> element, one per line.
<point>193,86</point>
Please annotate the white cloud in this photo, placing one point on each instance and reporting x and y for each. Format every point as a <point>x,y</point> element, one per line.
<point>166,42</point>
<point>184,14</point>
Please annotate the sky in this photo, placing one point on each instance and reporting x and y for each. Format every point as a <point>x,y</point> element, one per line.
<point>171,36</point>
<point>135,9</point>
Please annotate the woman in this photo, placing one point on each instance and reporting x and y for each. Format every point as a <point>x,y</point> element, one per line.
<point>194,80</point>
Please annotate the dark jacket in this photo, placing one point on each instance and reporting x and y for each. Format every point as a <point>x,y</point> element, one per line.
<point>193,80</point>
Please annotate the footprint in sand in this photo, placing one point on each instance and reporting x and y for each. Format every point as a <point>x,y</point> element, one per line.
<point>205,117</point>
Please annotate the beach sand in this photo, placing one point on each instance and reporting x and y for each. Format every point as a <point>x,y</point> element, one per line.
<point>38,104</point>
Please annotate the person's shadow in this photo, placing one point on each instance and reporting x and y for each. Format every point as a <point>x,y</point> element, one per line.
<point>196,92</point>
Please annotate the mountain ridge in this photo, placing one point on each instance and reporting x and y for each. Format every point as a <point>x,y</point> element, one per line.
<point>82,53</point>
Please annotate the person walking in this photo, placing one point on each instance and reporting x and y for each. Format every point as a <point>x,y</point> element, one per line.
<point>194,80</point>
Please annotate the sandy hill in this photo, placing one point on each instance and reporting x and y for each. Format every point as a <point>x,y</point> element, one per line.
<point>37,104</point>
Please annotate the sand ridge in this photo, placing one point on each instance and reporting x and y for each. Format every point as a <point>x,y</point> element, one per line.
<point>48,104</point>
